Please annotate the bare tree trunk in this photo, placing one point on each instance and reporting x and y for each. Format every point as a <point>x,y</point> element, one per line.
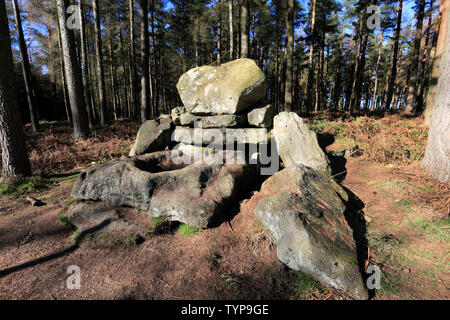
<point>230,14</point>
<point>126,73</point>
<point>219,33</point>
<point>64,82</point>
<point>73,75</point>
<point>393,73</point>
<point>26,68</point>
<point>375,88</point>
<point>85,67</point>
<point>436,160</point>
<point>413,83</point>
<point>244,29</point>
<point>12,139</point>
<point>133,96</point>
<point>311,58</point>
<point>100,69</point>
<point>442,29</point>
<point>289,56</point>
<point>145,54</point>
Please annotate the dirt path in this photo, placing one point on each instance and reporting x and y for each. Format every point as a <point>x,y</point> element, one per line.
<point>228,262</point>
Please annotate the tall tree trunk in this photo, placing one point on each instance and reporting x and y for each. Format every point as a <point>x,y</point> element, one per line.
<point>100,68</point>
<point>289,56</point>
<point>436,159</point>
<point>26,68</point>
<point>133,96</point>
<point>393,73</point>
<point>126,73</point>
<point>309,88</point>
<point>85,66</point>
<point>115,93</point>
<point>219,33</point>
<point>12,139</point>
<point>73,75</point>
<point>63,78</point>
<point>145,55</point>
<point>377,68</point>
<point>439,47</point>
<point>244,29</point>
<point>230,17</point>
<point>413,81</point>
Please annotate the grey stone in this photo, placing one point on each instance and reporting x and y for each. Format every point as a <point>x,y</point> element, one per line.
<point>153,135</point>
<point>228,89</point>
<point>176,113</point>
<point>219,121</point>
<point>262,117</point>
<point>197,194</point>
<point>221,136</point>
<point>297,144</point>
<point>304,210</point>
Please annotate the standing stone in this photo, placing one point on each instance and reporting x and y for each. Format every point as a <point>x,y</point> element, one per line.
<point>304,210</point>
<point>261,117</point>
<point>152,136</point>
<point>227,89</point>
<point>297,144</point>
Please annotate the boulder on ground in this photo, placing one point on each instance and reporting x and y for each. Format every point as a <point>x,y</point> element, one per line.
<point>153,135</point>
<point>228,89</point>
<point>262,117</point>
<point>198,194</point>
<point>219,121</point>
<point>297,144</point>
<point>221,136</point>
<point>304,210</point>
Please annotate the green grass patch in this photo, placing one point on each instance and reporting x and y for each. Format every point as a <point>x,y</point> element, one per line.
<point>187,231</point>
<point>68,204</point>
<point>32,184</point>
<point>438,229</point>
<point>63,219</point>
<point>304,285</point>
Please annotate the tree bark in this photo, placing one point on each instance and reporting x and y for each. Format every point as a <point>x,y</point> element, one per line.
<point>26,68</point>
<point>244,29</point>
<point>100,68</point>
<point>309,88</point>
<point>12,139</point>
<point>133,85</point>
<point>393,73</point>
<point>230,17</point>
<point>145,55</point>
<point>413,81</point>
<point>289,56</point>
<point>85,66</point>
<point>63,78</point>
<point>436,160</point>
<point>377,68</point>
<point>442,27</point>
<point>73,75</point>
<point>219,33</point>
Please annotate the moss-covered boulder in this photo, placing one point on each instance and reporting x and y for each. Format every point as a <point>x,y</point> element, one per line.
<point>306,213</point>
<point>227,89</point>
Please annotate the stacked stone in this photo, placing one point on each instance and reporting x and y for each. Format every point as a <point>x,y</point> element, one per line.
<point>226,99</point>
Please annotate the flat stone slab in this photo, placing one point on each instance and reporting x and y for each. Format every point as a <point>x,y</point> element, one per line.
<point>220,121</point>
<point>218,136</point>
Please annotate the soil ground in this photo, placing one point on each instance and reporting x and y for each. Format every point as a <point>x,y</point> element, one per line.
<point>407,216</point>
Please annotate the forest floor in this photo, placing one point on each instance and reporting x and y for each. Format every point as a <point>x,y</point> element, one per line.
<point>407,216</point>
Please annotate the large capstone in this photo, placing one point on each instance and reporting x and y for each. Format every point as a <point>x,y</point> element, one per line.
<point>297,144</point>
<point>198,194</point>
<point>228,89</point>
<point>305,211</point>
<point>153,135</point>
<point>199,136</point>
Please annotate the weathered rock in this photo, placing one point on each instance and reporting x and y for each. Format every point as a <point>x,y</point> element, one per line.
<point>153,135</point>
<point>297,144</point>
<point>304,210</point>
<point>227,89</point>
<point>219,121</point>
<point>98,218</point>
<point>262,117</point>
<point>342,147</point>
<point>198,194</point>
<point>221,136</point>
<point>176,113</point>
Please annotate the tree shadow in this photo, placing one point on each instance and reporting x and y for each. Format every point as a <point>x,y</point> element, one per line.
<point>58,254</point>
